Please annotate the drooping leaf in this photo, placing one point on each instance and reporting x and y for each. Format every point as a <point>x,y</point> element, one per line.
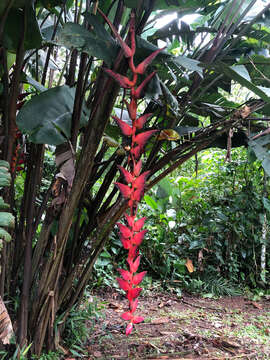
<point>266,204</point>
<point>14,25</point>
<point>260,147</point>
<point>190,64</point>
<point>33,82</point>
<point>76,36</point>
<point>127,50</point>
<point>46,118</point>
<point>240,74</point>
<point>4,164</point>
<point>169,97</point>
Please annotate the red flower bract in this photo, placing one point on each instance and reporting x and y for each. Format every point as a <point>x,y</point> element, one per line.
<point>129,329</point>
<point>125,128</point>
<point>131,233</point>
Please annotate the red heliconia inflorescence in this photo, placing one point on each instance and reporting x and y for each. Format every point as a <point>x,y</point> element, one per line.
<point>131,233</point>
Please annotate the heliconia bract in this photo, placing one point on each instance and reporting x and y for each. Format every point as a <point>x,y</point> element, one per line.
<point>131,233</point>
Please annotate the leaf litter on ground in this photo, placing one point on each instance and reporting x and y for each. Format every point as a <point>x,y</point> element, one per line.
<point>189,327</point>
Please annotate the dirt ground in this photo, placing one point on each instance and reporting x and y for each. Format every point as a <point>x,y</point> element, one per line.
<point>182,328</point>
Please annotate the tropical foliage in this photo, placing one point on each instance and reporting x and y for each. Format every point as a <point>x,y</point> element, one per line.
<point>63,146</point>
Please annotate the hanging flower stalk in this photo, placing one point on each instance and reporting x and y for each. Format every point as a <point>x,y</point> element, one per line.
<point>131,233</point>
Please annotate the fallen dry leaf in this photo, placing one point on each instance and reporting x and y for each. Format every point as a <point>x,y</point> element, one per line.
<point>160,321</point>
<point>115,305</point>
<point>189,265</point>
<point>256,305</point>
<point>97,354</point>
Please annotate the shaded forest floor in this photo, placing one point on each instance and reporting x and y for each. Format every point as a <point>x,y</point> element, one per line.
<point>182,328</point>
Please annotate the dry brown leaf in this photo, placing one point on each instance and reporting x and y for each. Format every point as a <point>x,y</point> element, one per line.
<point>166,303</point>
<point>97,354</point>
<point>168,134</point>
<point>6,330</point>
<point>200,260</point>
<point>189,265</point>
<point>245,111</point>
<point>160,321</point>
<point>57,186</point>
<point>256,305</point>
<point>65,162</point>
<point>115,305</point>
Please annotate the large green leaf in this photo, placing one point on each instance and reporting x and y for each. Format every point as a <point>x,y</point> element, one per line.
<point>96,42</point>
<point>240,74</point>
<point>151,202</point>
<point>46,118</point>
<point>190,64</point>
<point>14,26</point>
<point>29,80</point>
<point>261,148</point>
<point>266,204</point>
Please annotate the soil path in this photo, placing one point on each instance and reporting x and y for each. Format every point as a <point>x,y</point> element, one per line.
<point>183,328</point>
